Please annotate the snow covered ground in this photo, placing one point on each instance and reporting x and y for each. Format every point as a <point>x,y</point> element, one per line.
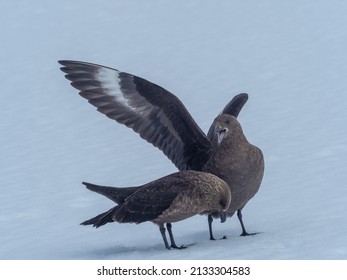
<point>289,56</point>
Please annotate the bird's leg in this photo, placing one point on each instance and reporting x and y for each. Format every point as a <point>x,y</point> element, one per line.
<point>210,220</point>
<point>162,231</point>
<point>173,243</point>
<point>169,229</point>
<point>244,232</point>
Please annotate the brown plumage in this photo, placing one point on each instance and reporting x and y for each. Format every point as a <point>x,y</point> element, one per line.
<point>236,161</point>
<point>160,118</point>
<point>169,199</point>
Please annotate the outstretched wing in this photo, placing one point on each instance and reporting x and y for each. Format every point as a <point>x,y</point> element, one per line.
<point>150,110</point>
<point>232,108</point>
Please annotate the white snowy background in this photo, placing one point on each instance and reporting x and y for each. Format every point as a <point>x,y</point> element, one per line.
<point>289,56</point>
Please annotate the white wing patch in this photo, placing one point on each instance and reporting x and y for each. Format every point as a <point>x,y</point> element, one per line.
<point>110,82</point>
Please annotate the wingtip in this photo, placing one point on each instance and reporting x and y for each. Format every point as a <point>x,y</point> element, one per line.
<point>244,95</point>
<point>91,221</point>
<point>235,105</point>
<point>65,66</point>
<point>63,62</point>
<point>87,224</point>
<point>89,186</point>
<point>67,63</point>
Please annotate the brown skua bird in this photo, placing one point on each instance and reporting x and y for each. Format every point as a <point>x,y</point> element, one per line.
<point>167,200</point>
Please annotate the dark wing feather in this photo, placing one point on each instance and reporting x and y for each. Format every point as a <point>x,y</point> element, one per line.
<point>232,108</point>
<point>142,206</point>
<point>235,105</point>
<point>150,201</point>
<point>150,110</point>
<point>118,195</point>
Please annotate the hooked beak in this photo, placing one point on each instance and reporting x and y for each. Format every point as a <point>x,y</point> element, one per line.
<point>223,216</point>
<point>221,132</point>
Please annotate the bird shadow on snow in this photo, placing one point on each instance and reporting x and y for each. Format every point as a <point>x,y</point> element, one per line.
<point>194,242</point>
<point>123,250</point>
<point>155,251</point>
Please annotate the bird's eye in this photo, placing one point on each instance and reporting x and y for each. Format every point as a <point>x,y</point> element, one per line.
<point>226,122</point>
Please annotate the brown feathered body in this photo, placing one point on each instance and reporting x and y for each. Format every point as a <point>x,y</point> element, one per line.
<point>236,161</point>
<point>169,199</point>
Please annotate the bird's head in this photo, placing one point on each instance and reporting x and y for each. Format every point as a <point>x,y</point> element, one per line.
<point>225,127</point>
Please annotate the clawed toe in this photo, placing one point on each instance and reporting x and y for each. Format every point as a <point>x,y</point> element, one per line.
<point>223,237</point>
<point>174,246</point>
<point>179,247</point>
<point>247,234</point>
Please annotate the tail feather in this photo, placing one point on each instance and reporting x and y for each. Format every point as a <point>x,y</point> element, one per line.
<point>101,219</point>
<point>118,195</point>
